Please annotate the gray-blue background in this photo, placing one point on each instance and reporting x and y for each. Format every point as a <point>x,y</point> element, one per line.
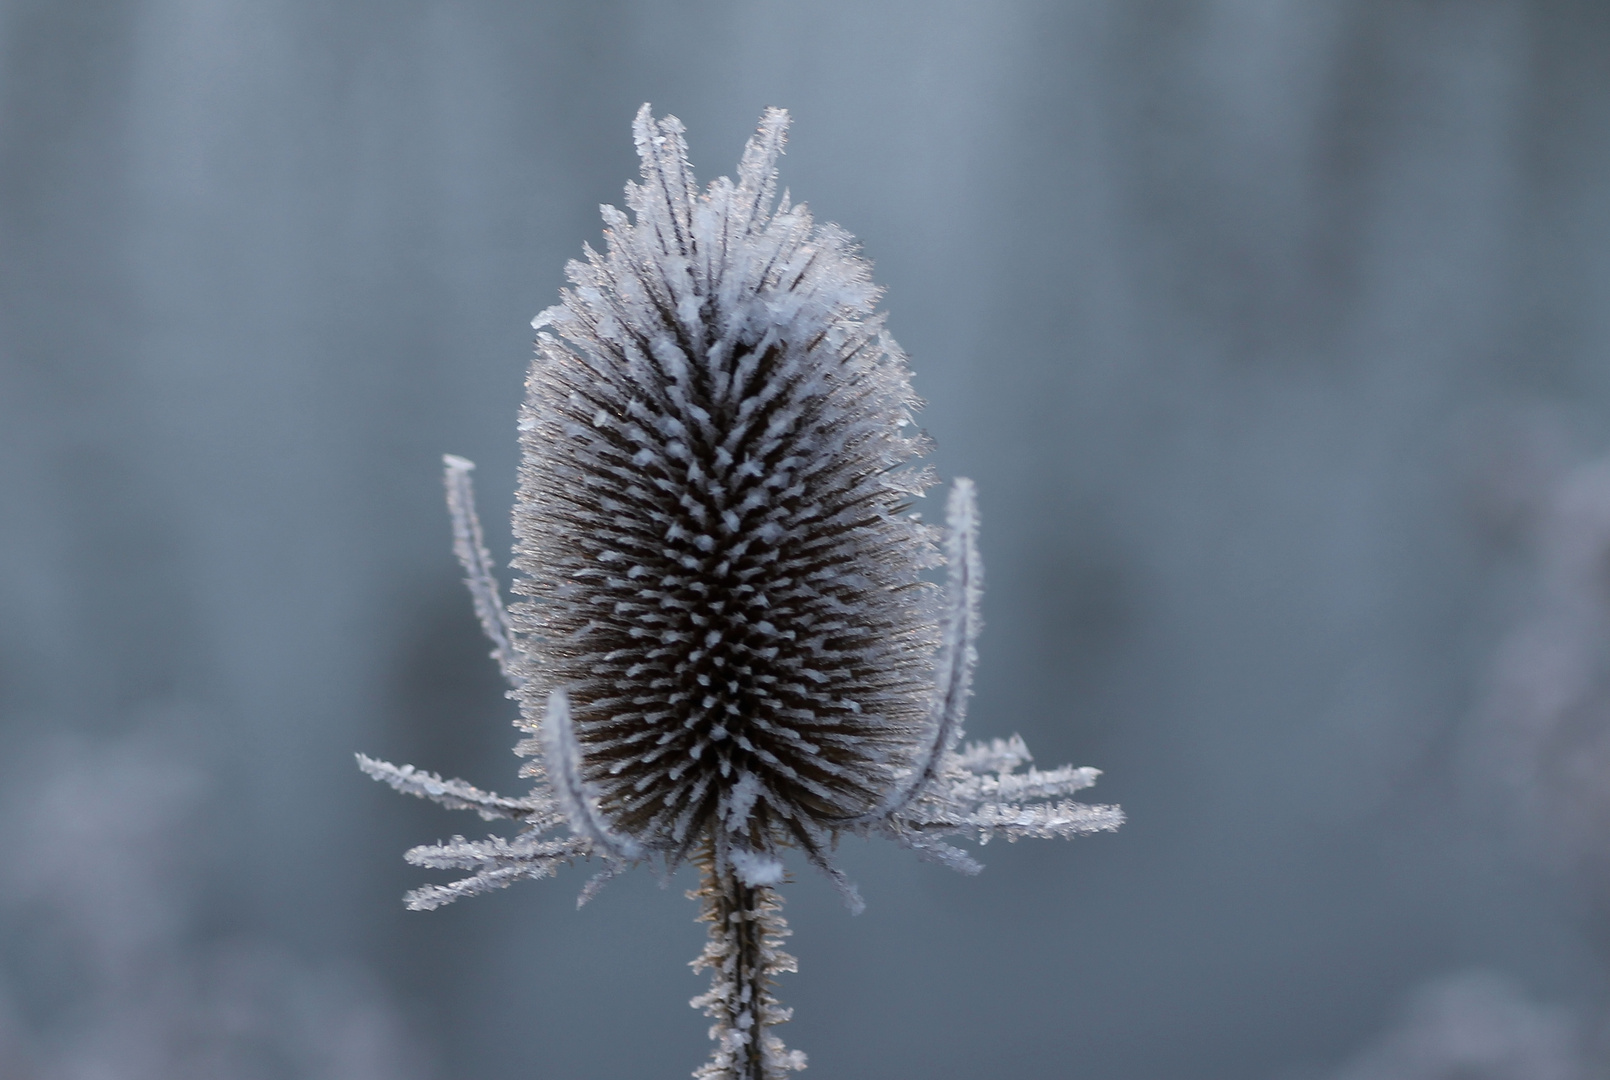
<point>1229,307</point>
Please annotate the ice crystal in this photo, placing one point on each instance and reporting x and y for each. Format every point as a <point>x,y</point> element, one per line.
<point>727,649</point>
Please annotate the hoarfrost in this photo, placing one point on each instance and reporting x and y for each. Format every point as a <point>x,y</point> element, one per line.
<point>727,650</point>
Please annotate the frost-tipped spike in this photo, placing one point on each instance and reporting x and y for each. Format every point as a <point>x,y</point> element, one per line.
<point>524,850</point>
<point>841,882</point>
<point>431,897</point>
<point>453,794</point>
<point>936,851</point>
<point>469,545</point>
<point>848,893</point>
<point>563,759</point>
<point>667,177</point>
<point>1045,820</point>
<point>757,170</point>
<point>596,883</point>
<point>997,755</point>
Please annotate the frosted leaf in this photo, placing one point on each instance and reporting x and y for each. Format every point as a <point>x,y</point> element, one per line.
<point>1044,820</point>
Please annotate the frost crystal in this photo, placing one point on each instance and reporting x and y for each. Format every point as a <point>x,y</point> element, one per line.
<point>726,648</point>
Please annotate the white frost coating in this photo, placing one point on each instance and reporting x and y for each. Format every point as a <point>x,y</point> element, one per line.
<point>741,800</point>
<point>563,759</point>
<point>469,545</point>
<point>1007,786</point>
<point>458,795</point>
<point>1043,821</point>
<point>726,645</point>
<point>431,897</point>
<point>462,854</point>
<point>744,958</point>
<point>937,851</point>
<point>610,872</point>
<point>756,869</point>
<point>997,755</point>
<point>953,668</point>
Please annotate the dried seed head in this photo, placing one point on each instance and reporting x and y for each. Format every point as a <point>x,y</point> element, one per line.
<point>727,645</point>
<point>721,570</point>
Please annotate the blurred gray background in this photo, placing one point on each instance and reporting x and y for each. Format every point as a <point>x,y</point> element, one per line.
<point>1271,330</point>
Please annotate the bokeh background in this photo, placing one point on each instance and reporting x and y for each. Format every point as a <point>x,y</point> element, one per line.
<point>1276,334</point>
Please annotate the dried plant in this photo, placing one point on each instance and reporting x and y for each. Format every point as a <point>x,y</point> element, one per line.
<point>727,649</point>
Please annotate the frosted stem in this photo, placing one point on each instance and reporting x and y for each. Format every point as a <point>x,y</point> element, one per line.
<point>743,956</point>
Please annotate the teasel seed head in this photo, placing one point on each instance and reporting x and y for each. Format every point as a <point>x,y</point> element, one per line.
<point>726,645</point>
<point>724,601</point>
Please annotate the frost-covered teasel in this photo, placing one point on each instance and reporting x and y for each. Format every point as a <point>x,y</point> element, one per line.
<point>726,649</point>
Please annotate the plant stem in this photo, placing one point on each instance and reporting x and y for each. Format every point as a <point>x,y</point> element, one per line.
<point>743,955</point>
